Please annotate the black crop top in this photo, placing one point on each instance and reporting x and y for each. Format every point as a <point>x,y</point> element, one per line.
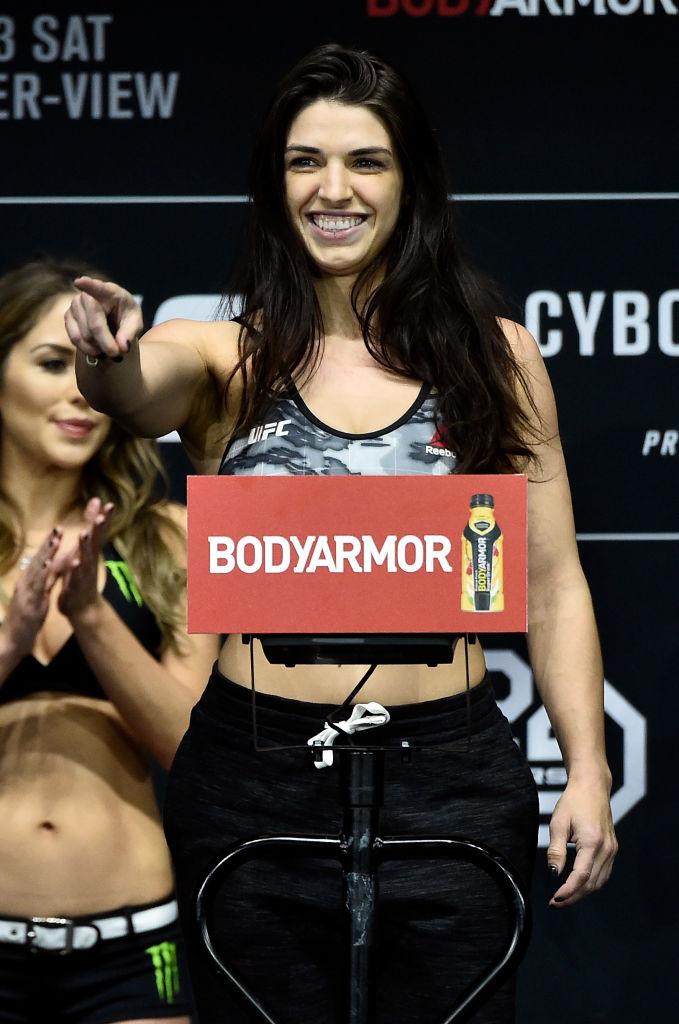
<point>68,671</point>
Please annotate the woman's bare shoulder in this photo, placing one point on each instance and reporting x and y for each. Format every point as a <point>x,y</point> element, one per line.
<point>523,345</point>
<point>175,513</point>
<point>172,526</point>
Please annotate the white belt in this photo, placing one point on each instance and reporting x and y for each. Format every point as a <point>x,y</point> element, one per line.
<point>62,934</point>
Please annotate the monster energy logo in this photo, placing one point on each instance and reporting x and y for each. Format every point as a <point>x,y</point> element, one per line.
<point>127,584</point>
<point>164,959</point>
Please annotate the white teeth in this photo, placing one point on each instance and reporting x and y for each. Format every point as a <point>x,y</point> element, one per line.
<point>335,223</point>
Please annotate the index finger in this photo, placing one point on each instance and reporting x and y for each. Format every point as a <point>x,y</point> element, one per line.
<point>104,292</point>
<point>575,886</point>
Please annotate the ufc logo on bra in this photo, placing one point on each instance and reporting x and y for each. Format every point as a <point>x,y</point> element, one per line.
<point>265,430</point>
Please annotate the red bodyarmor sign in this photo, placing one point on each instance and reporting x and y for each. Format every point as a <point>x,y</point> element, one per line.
<point>357,554</point>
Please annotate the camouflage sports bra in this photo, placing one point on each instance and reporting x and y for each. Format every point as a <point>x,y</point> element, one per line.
<point>291,441</point>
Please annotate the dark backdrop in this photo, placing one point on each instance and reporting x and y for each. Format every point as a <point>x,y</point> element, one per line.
<point>125,134</point>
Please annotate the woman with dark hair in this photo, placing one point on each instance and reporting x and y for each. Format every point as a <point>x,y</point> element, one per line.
<point>363,329</point>
<point>96,671</point>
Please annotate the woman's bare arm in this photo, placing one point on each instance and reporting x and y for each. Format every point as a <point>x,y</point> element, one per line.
<point>153,698</point>
<point>564,648</point>
<point>155,384</point>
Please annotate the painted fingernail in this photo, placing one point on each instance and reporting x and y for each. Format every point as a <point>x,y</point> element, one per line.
<point>117,359</point>
<point>553,869</point>
<point>559,899</point>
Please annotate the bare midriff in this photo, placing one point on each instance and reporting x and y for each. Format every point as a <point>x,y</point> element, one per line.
<point>81,831</point>
<point>329,684</point>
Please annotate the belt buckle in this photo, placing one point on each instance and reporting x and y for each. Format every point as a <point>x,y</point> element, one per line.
<point>50,922</point>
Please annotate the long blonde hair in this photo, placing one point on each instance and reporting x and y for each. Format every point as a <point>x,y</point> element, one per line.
<point>126,470</point>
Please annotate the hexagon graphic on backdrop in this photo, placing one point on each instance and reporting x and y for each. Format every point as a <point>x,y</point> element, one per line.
<point>533,734</point>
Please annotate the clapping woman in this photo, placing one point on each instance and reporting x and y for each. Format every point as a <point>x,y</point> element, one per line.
<point>96,672</point>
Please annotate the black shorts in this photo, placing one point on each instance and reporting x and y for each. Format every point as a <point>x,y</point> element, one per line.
<point>138,976</point>
<point>278,924</point>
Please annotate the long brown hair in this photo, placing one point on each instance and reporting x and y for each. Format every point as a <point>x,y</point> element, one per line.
<point>125,470</point>
<point>431,317</point>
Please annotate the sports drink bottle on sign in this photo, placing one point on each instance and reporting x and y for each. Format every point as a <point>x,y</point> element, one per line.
<point>482,584</point>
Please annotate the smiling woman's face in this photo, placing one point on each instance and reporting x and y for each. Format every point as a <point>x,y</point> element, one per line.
<point>43,416</point>
<point>343,185</point>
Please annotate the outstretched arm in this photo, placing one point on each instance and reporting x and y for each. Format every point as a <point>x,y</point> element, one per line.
<point>152,385</point>
<point>564,651</point>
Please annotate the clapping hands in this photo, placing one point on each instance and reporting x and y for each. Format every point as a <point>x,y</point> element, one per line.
<point>30,601</point>
<point>79,568</point>
<point>76,569</point>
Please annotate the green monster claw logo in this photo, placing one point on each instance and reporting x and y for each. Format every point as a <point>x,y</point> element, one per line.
<point>127,584</point>
<point>164,959</point>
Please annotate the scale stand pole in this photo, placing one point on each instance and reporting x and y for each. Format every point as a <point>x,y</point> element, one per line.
<point>362,796</point>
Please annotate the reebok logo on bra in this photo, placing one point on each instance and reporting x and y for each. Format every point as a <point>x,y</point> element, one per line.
<point>264,430</point>
<point>430,450</point>
<point>437,446</point>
